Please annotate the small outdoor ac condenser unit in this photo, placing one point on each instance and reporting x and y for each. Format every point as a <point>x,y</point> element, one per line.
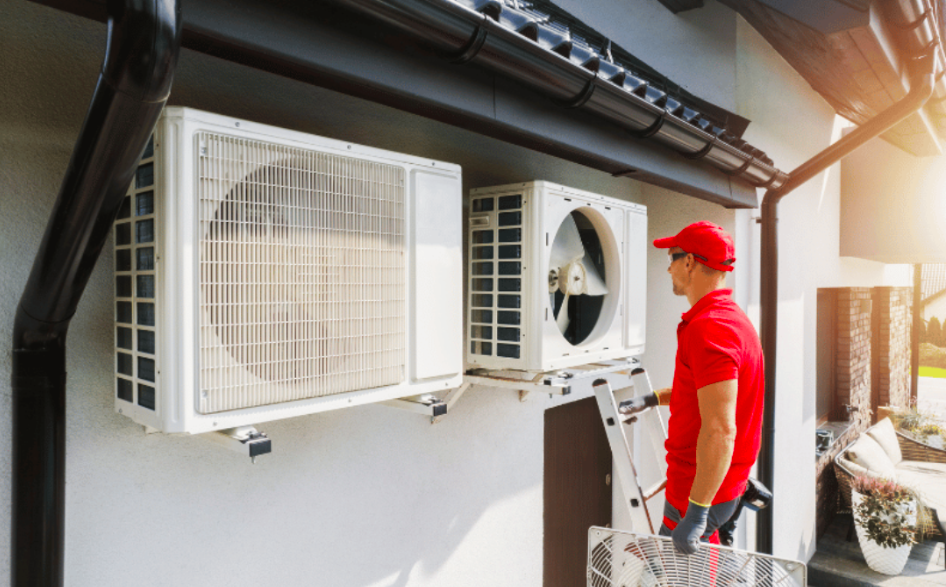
<point>557,277</point>
<point>262,274</point>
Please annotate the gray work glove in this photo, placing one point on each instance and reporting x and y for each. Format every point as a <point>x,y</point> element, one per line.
<point>686,536</point>
<point>638,404</point>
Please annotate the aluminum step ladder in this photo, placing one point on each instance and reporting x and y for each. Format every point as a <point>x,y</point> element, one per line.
<point>615,425</point>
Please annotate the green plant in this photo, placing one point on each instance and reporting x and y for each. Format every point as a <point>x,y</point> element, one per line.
<point>913,421</point>
<point>887,513</point>
<point>931,429</point>
<point>932,355</point>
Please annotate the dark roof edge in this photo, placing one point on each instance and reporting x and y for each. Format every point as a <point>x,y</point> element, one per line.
<point>518,44</point>
<point>719,116</point>
<point>446,24</point>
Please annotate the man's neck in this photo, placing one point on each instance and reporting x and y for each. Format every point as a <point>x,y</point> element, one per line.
<point>700,290</point>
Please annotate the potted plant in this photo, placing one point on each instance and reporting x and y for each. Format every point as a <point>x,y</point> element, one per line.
<point>885,520</point>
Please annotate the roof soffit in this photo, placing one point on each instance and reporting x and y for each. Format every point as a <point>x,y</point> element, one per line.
<point>856,70</point>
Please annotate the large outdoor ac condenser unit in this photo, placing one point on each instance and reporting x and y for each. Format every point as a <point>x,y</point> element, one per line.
<point>262,273</point>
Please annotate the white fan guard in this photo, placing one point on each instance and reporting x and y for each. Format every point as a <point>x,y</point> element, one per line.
<point>303,290</point>
<point>626,559</point>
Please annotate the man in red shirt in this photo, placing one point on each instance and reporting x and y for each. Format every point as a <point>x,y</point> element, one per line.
<point>715,422</point>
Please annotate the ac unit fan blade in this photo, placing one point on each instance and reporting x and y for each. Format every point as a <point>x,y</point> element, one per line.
<point>594,284</point>
<point>562,320</point>
<point>567,245</point>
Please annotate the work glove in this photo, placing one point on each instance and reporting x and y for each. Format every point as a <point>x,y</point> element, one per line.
<point>686,536</point>
<point>638,404</point>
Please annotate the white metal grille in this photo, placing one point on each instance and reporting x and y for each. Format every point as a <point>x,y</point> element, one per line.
<point>302,273</point>
<point>625,559</point>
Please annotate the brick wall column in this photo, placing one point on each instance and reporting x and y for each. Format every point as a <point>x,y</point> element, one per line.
<point>893,319</point>
<point>854,352</point>
<point>853,388</point>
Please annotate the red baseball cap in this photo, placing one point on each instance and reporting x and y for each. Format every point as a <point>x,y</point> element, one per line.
<point>707,242</point>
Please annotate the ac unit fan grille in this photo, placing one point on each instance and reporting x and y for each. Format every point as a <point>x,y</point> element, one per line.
<point>302,278</point>
<point>135,290</point>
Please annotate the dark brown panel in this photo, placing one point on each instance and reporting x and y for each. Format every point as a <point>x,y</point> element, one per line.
<point>577,489</point>
<point>827,343</point>
<point>678,6</point>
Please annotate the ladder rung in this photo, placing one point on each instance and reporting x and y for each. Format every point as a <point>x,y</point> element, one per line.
<point>654,490</point>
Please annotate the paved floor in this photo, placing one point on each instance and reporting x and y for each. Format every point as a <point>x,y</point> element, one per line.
<point>839,563</point>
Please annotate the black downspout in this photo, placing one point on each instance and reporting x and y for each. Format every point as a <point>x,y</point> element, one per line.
<point>921,88</point>
<point>134,83</point>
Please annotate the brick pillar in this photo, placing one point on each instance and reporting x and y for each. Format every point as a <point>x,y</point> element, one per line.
<point>853,388</point>
<point>893,319</point>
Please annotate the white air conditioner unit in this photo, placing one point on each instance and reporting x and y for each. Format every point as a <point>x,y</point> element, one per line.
<point>556,277</point>
<point>263,274</point>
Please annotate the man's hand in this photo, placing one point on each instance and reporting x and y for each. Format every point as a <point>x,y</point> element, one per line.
<point>686,536</point>
<point>638,404</point>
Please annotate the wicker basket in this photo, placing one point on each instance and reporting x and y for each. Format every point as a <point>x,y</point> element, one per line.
<point>929,525</point>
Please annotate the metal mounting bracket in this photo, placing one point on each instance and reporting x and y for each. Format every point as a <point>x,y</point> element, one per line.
<point>560,382</point>
<point>244,439</point>
<point>426,404</point>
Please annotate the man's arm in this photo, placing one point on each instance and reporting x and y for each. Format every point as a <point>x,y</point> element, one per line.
<point>714,446</point>
<point>663,395</point>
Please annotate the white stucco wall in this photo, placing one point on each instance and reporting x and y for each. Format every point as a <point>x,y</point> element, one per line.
<point>372,496</point>
<point>695,49</point>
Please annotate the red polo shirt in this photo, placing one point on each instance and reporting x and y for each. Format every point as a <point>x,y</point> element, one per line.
<point>715,342</point>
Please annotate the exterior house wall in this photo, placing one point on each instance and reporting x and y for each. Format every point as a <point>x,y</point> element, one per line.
<point>371,496</point>
<point>367,496</point>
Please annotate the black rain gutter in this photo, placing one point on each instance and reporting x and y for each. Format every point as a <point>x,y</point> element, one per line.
<point>509,42</point>
<point>921,44</point>
<point>133,86</point>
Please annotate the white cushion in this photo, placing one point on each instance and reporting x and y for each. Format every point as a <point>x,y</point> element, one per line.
<point>870,455</point>
<point>886,437</point>
<point>928,480</point>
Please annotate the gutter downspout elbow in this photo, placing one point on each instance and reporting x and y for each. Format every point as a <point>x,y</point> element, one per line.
<point>922,69</point>
<point>135,81</point>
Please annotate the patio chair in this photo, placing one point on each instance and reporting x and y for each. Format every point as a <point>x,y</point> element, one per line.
<point>881,451</point>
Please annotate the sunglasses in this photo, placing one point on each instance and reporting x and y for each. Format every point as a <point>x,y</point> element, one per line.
<point>677,256</point>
